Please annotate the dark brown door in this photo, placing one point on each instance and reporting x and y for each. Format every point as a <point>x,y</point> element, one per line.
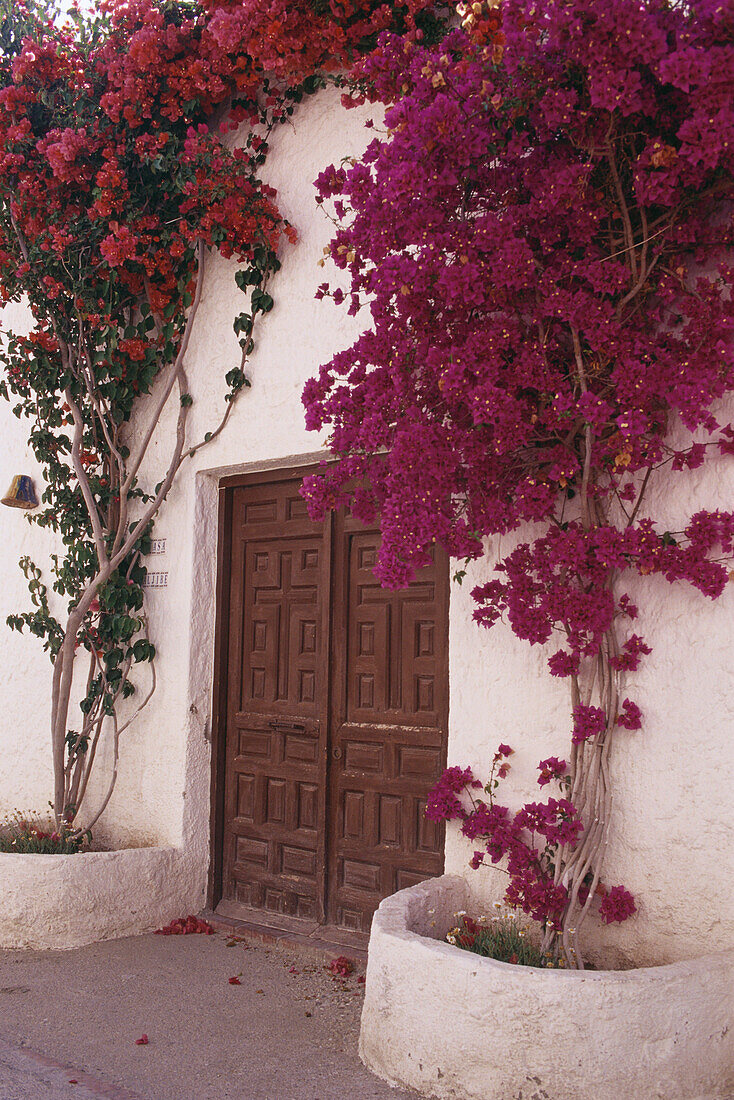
<point>332,721</point>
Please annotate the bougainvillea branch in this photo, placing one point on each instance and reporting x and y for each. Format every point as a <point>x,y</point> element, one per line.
<point>543,241</point>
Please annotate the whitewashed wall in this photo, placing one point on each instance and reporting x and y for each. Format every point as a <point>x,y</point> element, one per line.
<point>672,844</point>
<point>25,745</point>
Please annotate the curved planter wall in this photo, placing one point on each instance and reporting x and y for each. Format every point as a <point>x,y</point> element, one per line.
<point>67,901</point>
<point>453,1024</point>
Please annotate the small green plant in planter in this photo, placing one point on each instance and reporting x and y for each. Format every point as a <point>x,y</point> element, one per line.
<point>502,937</point>
<point>28,834</point>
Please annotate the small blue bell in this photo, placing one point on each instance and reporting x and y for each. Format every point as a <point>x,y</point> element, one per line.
<point>21,493</point>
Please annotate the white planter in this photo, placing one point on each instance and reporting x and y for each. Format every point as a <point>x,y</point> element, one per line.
<point>66,901</point>
<point>453,1024</point>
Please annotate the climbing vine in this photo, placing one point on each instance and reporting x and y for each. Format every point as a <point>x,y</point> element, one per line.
<point>117,181</point>
<point>542,239</point>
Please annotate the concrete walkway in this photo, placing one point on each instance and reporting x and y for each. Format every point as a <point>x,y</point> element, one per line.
<point>69,1021</point>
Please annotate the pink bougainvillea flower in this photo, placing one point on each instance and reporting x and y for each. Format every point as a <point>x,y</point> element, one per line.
<point>552,768</point>
<point>630,716</point>
<point>617,905</point>
<point>588,721</point>
<point>517,376</point>
<point>341,967</point>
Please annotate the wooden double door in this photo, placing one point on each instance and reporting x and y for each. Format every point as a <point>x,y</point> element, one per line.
<point>333,699</point>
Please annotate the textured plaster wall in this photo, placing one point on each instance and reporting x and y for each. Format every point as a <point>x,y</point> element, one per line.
<point>25,759</point>
<point>672,846</point>
<point>171,789</point>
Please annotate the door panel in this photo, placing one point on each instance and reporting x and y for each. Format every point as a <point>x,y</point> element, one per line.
<point>388,729</point>
<point>282,624</point>
<point>274,827</point>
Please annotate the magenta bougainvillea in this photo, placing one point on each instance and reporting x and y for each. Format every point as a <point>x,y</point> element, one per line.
<point>528,841</point>
<point>542,239</point>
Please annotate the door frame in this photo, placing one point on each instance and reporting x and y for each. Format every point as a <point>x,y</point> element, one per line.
<point>225,532</point>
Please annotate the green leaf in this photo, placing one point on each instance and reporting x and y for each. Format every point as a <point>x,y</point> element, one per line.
<point>243,323</point>
<point>248,277</point>
<point>261,301</point>
<point>312,84</point>
<point>235,378</point>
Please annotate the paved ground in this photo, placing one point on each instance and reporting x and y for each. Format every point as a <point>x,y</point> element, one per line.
<point>288,1031</point>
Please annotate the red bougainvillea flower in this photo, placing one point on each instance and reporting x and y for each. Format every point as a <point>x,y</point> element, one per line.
<point>186,926</point>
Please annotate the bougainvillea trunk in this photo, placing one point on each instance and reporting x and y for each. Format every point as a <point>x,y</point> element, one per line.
<point>579,869</point>
<point>114,554</point>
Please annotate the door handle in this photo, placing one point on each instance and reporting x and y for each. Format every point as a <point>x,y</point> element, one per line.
<point>337,753</point>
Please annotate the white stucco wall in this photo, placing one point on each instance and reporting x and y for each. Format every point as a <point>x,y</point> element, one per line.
<point>672,844</point>
<point>25,754</point>
<point>265,429</point>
